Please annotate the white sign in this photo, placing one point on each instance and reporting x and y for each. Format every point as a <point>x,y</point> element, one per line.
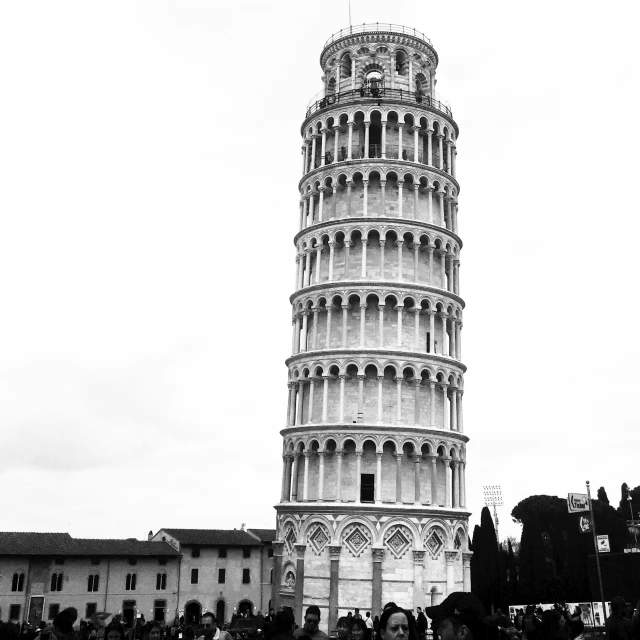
<point>577,502</point>
<point>585,524</point>
<point>603,544</point>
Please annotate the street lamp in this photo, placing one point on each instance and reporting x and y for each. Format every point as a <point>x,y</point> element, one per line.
<point>493,498</point>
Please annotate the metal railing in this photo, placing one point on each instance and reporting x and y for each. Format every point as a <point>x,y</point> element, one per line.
<point>375,27</point>
<point>375,151</point>
<point>381,93</point>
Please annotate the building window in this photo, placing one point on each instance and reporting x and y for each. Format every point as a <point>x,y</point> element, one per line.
<point>95,561</point>
<point>246,552</point>
<point>159,607</point>
<point>59,560</point>
<point>93,582</point>
<point>54,610</point>
<point>222,552</point>
<point>161,581</point>
<point>130,582</point>
<point>17,582</point>
<point>128,612</point>
<point>162,561</point>
<point>92,607</point>
<point>222,576</point>
<point>133,561</point>
<point>246,577</point>
<point>271,576</point>
<point>270,552</point>
<point>56,581</point>
<point>194,576</point>
<point>367,487</point>
<point>195,552</point>
<point>14,612</point>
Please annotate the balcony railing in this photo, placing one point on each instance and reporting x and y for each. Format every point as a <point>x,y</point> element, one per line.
<point>376,27</point>
<point>379,93</point>
<point>375,151</point>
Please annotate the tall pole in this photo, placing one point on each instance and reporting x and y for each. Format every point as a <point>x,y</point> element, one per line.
<point>495,517</point>
<point>595,545</point>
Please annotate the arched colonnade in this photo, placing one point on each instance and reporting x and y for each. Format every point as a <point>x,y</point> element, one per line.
<point>375,393</point>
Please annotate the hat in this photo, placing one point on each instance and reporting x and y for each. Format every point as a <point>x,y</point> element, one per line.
<point>619,603</point>
<point>461,605</point>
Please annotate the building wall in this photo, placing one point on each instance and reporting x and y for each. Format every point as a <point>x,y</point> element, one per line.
<point>111,591</point>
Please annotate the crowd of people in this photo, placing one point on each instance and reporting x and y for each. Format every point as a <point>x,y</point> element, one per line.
<point>461,616</point>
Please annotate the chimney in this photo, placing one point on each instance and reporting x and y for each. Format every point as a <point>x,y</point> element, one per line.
<point>150,536</point>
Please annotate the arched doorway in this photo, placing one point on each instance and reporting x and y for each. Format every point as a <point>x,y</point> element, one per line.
<point>245,608</point>
<point>192,612</point>
<point>220,611</point>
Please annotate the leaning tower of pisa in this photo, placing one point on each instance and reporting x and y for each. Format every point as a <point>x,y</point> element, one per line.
<point>373,502</point>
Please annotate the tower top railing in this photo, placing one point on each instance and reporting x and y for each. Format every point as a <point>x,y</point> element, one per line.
<point>376,26</point>
<point>322,101</point>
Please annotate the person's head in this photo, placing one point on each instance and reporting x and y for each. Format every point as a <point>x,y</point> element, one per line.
<point>283,622</point>
<point>63,622</point>
<point>155,631</point>
<point>419,609</point>
<point>312,618</point>
<point>356,611</point>
<point>394,624</point>
<point>343,627</point>
<point>208,621</point>
<point>114,631</point>
<point>368,614</point>
<point>358,629</point>
<point>618,605</point>
<point>460,616</point>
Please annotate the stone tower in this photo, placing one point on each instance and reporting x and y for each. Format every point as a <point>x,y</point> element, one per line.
<point>373,490</point>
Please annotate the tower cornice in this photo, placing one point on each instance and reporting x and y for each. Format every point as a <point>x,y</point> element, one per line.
<point>393,164</point>
<point>370,352</point>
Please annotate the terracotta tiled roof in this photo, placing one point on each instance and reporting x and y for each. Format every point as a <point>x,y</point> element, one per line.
<point>266,535</point>
<point>62,544</point>
<point>215,537</point>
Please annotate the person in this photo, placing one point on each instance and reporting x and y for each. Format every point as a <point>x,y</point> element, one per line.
<point>8,631</point>
<point>272,615</point>
<point>211,630</point>
<point>553,625</point>
<point>356,614</point>
<point>282,626</point>
<point>530,624</point>
<point>114,631</point>
<point>460,616</point>
<point>63,624</point>
<point>618,625</point>
<point>394,624</point>
<point>369,622</point>
<point>311,624</point>
<point>421,624</point>
<point>376,625</point>
<point>343,628</point>
<point>154,631</point>
<point>358,629</point>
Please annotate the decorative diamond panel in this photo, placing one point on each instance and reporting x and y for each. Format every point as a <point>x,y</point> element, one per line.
<point>318,538</point>
<point>398,540</point>
<point>356,538</point>
<point>290,538</point>
<point>434,542</point>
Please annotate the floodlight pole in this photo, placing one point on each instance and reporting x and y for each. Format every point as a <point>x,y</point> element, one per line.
<point>495,517</point>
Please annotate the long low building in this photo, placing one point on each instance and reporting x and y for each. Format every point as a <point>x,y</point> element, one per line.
<point>175,572</point>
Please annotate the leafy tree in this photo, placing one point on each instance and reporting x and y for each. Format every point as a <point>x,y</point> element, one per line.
<point>553,552</point>
<point>602,495</point>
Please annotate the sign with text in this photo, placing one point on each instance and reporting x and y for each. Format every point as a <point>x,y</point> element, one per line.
<point>577,502</point>
<point>584,524</point>
<point>603,544</point>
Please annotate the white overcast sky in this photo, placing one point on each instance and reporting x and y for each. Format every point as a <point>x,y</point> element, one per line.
<point>149,161</point>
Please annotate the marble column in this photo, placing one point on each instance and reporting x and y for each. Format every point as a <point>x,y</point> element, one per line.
<point>299,590</point>
<point>334,573</point>
<point>418,588</point>
<point>450,558</point>
<point>376,586</point>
